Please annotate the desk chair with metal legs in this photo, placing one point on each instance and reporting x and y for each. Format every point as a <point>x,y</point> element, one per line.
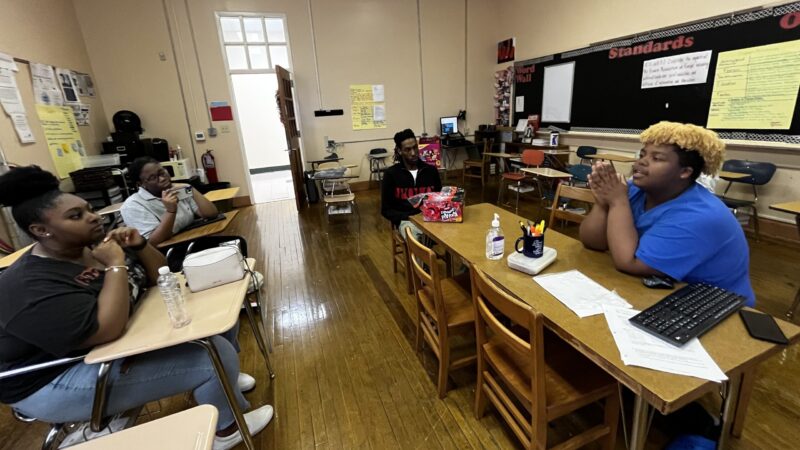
<point>760,174</point>
<point>54,435</point>
<point>585,150</point>
<point>530,158</point>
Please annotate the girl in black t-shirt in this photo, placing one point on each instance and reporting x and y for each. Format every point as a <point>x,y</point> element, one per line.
<point>72,291</point>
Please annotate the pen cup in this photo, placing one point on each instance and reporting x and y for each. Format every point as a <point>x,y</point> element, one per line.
<point>532,246</point>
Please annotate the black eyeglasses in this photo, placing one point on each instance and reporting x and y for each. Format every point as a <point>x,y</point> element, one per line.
<point>161,173</point>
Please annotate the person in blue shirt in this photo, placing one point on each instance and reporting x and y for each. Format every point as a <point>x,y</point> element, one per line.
<point>662,222</point>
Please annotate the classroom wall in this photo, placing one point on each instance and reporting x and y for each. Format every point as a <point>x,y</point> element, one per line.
<point>45,31</point>
<point>428,62</point>
<point>553,26</point>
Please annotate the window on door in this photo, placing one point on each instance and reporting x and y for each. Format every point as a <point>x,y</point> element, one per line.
<point>252,46</point>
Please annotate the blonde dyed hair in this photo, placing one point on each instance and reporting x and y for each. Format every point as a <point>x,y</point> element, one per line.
<point>690,138</point>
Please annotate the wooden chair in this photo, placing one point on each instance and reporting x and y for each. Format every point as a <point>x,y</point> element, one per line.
<point>530,158</point>
<point>535,369</point>
<point>567,192</point>
<point>400,257</point>
<point>482,164</point>
<point>444,308</point>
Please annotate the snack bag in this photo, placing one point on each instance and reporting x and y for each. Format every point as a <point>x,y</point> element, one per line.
<point>444,206</point>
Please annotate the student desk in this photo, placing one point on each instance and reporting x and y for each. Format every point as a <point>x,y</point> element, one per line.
<point>449,154</point>
<point>111,209</point>
<point>732,175</point>
<point>728,343</point>
<point>221,194</point>
<point>192,429</point>
<point>612,158</point>
<point>10,259</point>
<point>503,157</point>
<point>213,311</point>
<point>205,230</point>
<point>791,208</point>
<point>558,155</point>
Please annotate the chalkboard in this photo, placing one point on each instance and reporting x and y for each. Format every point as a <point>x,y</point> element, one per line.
<point>608,94</point>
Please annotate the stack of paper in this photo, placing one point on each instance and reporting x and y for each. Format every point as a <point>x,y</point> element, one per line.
<point>638,348</point>
<point>584,296</point>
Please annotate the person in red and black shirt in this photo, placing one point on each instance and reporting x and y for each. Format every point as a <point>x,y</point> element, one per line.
<point>408,177</point>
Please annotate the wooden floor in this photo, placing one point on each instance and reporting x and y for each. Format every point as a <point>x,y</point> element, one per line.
<point>347,374</point>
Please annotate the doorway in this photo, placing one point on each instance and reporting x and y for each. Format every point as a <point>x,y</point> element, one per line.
<point>253,45</point>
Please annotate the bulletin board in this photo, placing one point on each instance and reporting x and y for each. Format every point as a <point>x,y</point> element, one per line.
<point>738,74</point>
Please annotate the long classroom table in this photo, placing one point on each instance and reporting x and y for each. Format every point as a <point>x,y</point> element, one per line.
<point>736,353</point>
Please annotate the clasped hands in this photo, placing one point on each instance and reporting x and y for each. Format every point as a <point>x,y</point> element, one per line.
<point>109,250</point>
<point>608,186</point>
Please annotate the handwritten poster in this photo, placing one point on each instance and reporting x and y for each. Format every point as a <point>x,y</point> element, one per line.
<point>63,138</point>
<point>756,88</point>
<point>367,106</point>
<point>678,70</point>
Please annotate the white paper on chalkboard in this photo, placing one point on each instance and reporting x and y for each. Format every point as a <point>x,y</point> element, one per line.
<point>557,97</point>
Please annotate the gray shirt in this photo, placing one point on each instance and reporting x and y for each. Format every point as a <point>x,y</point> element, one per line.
<point>144,210</point>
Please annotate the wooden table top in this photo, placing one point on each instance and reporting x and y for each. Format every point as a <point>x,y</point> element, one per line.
<point>192,429</point>
<point>546,172</point>
<point>205,230</point>
<point>221,194</point>
<point>612,157</point>
<point>502,155</point>
<point>213,311</point>
<point>728,343</point>
<point>788,207</point>
<point>732,175</point>
<point>526,145</point>
<point>10,259</point>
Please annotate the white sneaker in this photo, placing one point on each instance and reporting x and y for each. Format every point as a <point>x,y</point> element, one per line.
<point>256,420</point>
<point>245,382</point>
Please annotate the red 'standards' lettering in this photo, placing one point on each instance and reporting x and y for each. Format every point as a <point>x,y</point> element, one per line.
<point>790,20</point>
<point>651,47</point>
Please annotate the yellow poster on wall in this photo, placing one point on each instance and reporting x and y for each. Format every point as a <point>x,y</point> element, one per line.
<point>63,139</point>
<point>756,88</point>
<point>367,106</point>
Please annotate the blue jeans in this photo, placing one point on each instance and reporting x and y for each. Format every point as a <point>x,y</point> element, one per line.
<point>149,376</point>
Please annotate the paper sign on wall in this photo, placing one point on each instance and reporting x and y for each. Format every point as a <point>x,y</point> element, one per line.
<point>677,70</point>
<point>12,104</point>
<point>756,88</point>
<point>63,139</point>
<point>367,106</point>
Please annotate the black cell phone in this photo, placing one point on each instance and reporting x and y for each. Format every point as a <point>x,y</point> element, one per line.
<point>762,326</point>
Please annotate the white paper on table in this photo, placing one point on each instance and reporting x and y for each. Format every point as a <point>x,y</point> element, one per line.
<point>7,62</point>
<point>639,348</point>
<point>377,93</point>
<point>22,128</point>
<point>9,93</point>
<point>584,296</point>
<point>521,124</point>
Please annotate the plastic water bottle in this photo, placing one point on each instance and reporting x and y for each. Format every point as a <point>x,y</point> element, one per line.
<point>170,290</point>
<point>495,241</point>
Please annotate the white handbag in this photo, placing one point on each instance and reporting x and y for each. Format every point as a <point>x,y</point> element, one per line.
<point>213,267</point>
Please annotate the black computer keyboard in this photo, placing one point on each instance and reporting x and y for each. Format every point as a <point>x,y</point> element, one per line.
<point>688,312</point>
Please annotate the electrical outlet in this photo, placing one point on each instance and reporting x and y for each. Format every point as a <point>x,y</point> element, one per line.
<point>199,136</point>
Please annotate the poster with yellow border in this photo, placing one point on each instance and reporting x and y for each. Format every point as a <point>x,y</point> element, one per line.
<point>63,139</point>
<point>367,106</point>
<point>756,88</point>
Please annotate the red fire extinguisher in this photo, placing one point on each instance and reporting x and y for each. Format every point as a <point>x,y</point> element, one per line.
<point>210,167</point>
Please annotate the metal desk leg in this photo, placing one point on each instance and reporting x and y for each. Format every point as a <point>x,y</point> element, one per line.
<point>729,408</point>
<point>99,405</point>
<point>238,417</point>
<point>745,390</point>
<point>641,419</point>
<point>259,337</point>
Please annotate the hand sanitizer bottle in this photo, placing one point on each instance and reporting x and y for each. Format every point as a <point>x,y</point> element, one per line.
<point>495,241</point>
